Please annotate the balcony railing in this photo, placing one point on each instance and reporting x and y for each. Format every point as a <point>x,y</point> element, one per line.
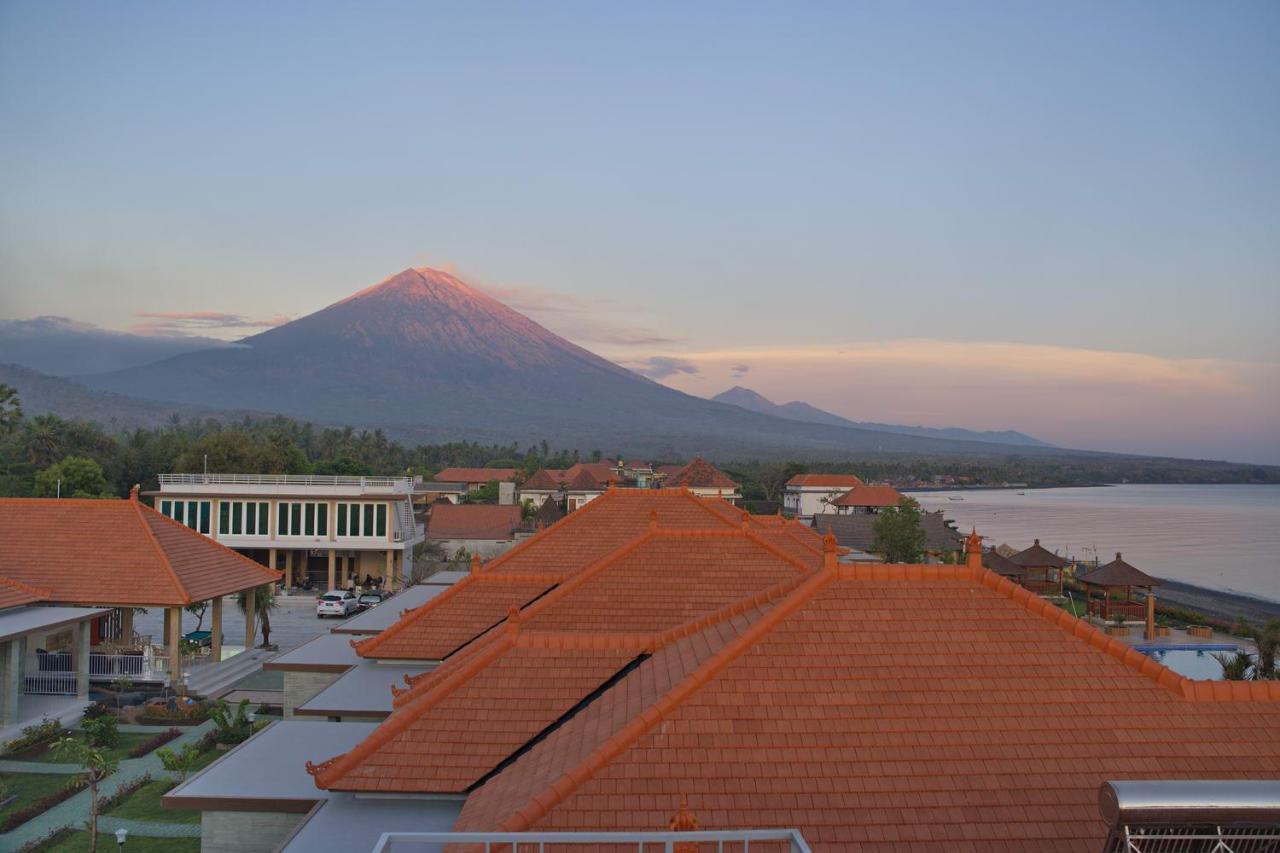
<point>406,483</point>
<point>496,842</point>
<point>49,683</point>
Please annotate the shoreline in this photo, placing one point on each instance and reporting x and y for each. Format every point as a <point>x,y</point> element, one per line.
<point>1216,603</point>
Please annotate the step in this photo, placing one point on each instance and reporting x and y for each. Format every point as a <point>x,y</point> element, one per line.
<point>214,681</point>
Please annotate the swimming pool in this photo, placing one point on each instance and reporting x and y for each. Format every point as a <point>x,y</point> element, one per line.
<point>1193,661</point>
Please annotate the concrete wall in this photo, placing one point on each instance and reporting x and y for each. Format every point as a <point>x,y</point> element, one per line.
<point>244,832</point>
<point>301,686</point>
<point>486,548</point>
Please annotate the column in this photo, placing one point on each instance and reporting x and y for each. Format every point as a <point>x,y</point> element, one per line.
<point>288,569</point>
<point>80,659</point>
<point>10,681</point>
<point>271,559</point>
<point>333,559</point>
<point>250,617</point>
<point>216,514</point>
<point>1151,616</point>
<point>172,638</point>
<point>389,572</point>
<point>343,572</point>
<point>164,636</point>
<point>216,627</point>
<point>126,625</point>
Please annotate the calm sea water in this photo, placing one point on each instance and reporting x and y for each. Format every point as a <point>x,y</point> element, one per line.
<point>1224,537</point>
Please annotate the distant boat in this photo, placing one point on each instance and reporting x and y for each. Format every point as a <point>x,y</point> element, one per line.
<point>954,498</point>
<point>1020,493</point>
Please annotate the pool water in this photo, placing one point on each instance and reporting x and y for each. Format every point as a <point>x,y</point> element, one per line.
<point>1192,661</point>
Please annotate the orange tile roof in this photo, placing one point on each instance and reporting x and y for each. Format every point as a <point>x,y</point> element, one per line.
<point>835,481</point>
<point>15,593</point>
<point>544,480</point>
<point>576,542</point>
<point>116,552</point>
<point>1038,557</point>
<point>867,709</point>
<point>702,474</point>
<point>869,496</point>
<point>474,475</point>
<point>473,521</point>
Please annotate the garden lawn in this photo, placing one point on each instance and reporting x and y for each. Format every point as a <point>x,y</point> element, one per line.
<point>119,752</point>
<point>78,842</point>
<point>144,804</point>
<point>29,787</point>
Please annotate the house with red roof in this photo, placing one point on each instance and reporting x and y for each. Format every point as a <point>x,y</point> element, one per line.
<point>867,500</point>
<point>474,478</point>
<point>806,495</point>
<point>705,480</point>
<point>485,530</point>
<point>121,555</point>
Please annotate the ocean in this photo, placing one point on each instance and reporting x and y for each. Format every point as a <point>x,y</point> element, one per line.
<point>1221,537</point>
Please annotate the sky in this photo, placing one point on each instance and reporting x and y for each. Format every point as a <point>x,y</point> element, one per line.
<point>1058,218</point>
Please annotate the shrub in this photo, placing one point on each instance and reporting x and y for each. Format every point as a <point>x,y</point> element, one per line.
<point>105,803</point>
<point>43,732</point>
<point>48,801</point>
<point>232,728</point>
<point>102,732</point>
<point>183,760</point>
<point>96,710</point>
<point>153,743</point>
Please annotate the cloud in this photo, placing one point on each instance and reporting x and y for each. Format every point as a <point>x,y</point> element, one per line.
<point>1094,399</point>
<point>739,370</point>
<point>180,323</point>
<point>661,366</point>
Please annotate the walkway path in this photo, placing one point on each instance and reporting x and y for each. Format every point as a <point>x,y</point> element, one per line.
<point>74,811</point>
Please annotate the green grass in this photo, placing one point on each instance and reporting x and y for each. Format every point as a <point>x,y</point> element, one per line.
<point>144,804</point>
<point>29,787</point>
<point>78,842</point>
<point>128,740</point>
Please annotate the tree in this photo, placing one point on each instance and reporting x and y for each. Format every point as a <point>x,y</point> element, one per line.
<point>899,537</point>
<point>73,477</point>
<point>1234,667</point>
<point>10,409</point>
<point>96,766</point>
<point>264,602</point>
<point>486,494</point>
<point>231,728</point>
<point>198,610</point>
<point>181,762</point>
<point>773,478</point>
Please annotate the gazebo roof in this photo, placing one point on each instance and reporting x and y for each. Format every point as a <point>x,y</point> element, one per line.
<point>1038,557</point>
<point>115,553</point>
<point>1118,573</point>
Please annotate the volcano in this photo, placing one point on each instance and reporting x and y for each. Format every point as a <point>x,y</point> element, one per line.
<point>426,356</point>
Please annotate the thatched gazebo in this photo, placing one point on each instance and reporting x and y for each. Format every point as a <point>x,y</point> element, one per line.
<point>1112,578</point>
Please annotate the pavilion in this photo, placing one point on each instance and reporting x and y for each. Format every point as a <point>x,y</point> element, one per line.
<point>1117,577</point>
<point>124,555</point>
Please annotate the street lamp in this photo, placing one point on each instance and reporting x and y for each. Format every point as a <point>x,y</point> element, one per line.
<point>121,835</point>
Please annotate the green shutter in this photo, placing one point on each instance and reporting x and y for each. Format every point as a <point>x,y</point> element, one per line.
<point>224,517</point>
<point>342,519</point>
<point>237,518</point>
<point>166,508</point>
<point>204,517</point>
<point>322,519</point>
<point>263,515</point>
<point>193,515</point>
<point>382,520</point>
<point>368,520</point>
<point>295,519</point>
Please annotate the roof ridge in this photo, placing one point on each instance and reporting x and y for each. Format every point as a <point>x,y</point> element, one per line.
<point>363,647</point>
<point>26,587</point>
<point>329,771</point>
<point>580,577</point>
<point>755,537</point>
<point>557,790</point>
<point>164,558</point>
<point>210,540</point>
<point>735,608</point>
<point>1188,688</point>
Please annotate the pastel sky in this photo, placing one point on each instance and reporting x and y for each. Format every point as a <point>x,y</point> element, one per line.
<point>1062,218</point>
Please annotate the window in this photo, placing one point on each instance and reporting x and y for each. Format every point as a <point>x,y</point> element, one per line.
<point>311,519</point>
<point>342,519</point>
<point>362,519</point>
<point>264,512</point>
<point>322,519</point>
<point>382,520</point>
<point>295,519</point>
<point>368,520</point>
<point>194,514</point>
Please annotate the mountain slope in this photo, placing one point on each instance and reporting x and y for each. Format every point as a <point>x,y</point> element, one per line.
<point>800,411</point>
<point>430,358</point>
<point>62,347</point>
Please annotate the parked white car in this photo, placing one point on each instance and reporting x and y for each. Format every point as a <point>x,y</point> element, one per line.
<point>337,602</point>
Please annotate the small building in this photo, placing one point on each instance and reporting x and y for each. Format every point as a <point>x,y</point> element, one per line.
<point>122,554</point>
<point>1042,569</point>
<point>867,500</point>
<point>857,532</point>
<point>474,478</point>
<point>1002,565</point>
<point>321,531</point>
<point>705,480</point>
<point>806,495</point>
<point>484,530</point>
<point>544,484</point>
<point>434,491</point>
<point>1109,590</point>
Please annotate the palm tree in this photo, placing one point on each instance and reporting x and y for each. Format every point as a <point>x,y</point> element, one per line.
<point>10,408</point>
<point>44,440</point>
<point>1235,667</point>
<point>264,602</point>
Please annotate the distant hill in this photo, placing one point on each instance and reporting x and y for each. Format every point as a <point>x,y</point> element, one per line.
<point>41,394</point>
<point>59,346</point>
<point>799,411</point>
<point>429,358</point>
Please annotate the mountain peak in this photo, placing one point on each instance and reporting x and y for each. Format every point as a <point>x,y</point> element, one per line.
<point>420,282</point>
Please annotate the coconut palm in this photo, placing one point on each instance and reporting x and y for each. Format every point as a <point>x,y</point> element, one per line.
<point>1235,667</point>
<point>264,602</point>
<point>10,408</point>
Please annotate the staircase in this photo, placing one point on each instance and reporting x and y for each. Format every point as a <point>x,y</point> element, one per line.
<point>214,680</point>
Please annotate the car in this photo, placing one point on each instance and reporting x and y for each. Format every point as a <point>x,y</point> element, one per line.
<point>337,602</point>
<point>371,599</point>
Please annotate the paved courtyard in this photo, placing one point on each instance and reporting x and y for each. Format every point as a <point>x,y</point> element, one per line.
<point>293,622</point>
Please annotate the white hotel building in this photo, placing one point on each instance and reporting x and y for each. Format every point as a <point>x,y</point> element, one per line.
<point>325,531</point>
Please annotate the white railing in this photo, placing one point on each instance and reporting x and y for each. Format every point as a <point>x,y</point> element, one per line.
<point>736,839</point>
<point>49,684</point>
<point>406,483</point>
<point>106,667</point>
<point>407,528</point>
